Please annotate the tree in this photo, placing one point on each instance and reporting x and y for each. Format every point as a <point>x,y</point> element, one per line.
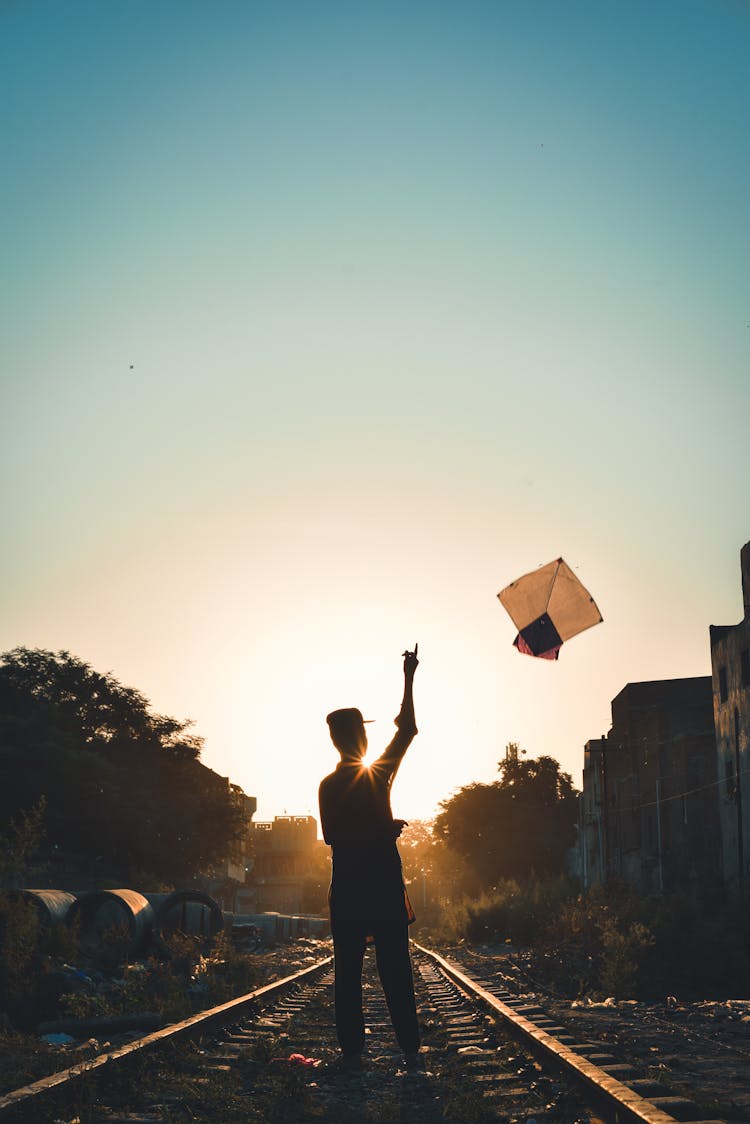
<point>20,844</point>
<point>432,871</point>
<point>123,785</point>
<point>519,826</point>
<point>92,707</point>
<point>417,849</point>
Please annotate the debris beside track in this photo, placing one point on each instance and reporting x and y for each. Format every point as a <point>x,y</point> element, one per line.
<point>180,987</point>
<point>697,1050</point>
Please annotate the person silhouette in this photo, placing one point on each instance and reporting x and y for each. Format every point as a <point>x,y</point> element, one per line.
<point>367,898</point>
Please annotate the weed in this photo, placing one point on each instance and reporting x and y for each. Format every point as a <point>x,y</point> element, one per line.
<point>229,972</point>
<point>622,947</point>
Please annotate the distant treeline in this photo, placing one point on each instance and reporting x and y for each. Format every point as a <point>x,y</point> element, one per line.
<point>120,786</point>
<point>88,767</point>
<point>520,827</point>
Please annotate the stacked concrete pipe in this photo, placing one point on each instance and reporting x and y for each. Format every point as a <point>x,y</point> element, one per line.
<point>102,910</point>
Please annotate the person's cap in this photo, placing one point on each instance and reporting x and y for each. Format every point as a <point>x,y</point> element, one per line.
<point>347,716</point>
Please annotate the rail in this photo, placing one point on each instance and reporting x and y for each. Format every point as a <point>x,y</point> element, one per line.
<point>554,1048</point>
<point>620,1101</point>
<point>188,1028</point>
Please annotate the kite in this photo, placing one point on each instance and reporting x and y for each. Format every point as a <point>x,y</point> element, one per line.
<point>548,607</point>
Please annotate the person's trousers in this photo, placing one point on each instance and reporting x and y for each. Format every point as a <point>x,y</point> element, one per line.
<point>394,968</point>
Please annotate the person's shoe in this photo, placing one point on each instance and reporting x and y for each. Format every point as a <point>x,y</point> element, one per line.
<point>345,1064</point>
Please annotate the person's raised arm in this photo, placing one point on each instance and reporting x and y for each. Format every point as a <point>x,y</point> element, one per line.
<point>405,719</point>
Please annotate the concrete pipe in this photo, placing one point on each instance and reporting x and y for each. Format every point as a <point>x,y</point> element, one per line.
<point>187,911</point>
<point>124,915</point>
<point>52,906</point>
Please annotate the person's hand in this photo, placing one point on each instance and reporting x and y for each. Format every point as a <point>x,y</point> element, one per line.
<point>411,663</point>
<point>398,827</point>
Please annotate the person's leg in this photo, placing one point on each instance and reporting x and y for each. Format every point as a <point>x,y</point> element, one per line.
<point>394,969</point>
<point>349,951</point>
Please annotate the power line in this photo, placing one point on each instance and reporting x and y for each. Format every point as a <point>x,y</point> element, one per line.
<point>678,795</point>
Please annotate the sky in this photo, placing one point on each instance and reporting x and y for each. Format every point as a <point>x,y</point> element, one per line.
<point>321,323</point>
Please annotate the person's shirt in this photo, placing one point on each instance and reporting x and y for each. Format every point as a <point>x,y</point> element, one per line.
<point>355,800</point>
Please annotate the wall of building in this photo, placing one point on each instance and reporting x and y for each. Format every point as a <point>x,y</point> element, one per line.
<point>591,826</point>
<point>285,853</point>
<point>650,806</point>
<point>730,676</point>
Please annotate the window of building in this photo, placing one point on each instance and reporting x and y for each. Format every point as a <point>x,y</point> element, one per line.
<point>723,692</point>
<point>745,666</point>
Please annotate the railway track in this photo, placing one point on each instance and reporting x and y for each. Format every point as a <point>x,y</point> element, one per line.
<point>491,1053</point>
<point>697,1052</point>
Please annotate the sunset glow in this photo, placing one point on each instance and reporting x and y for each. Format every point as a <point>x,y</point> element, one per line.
<point>324,323</point>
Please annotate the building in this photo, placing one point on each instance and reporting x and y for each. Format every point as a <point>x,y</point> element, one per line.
<point>592,845</point>
<point>240,860</point>
<point>227,878</point>
<point>287,857</point>
<point>649,808</point>
<point>730,675</point>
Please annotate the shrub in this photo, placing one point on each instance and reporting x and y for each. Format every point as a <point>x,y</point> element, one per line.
<point>612,941</point>
<point>19,936</point>
<point>229,973</point>
<point>621,955</point>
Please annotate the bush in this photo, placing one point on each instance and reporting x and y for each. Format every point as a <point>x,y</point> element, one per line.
<point>611,942</point>
<point>229,973</point>
<point>19,937</point>
<point>621,955</point>
<point>701,947</point>
<point>511,912</point>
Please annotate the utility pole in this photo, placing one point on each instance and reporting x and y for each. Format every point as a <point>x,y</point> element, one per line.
<point>738,798</point>
<point>605,809</point>
<point>658,835</point>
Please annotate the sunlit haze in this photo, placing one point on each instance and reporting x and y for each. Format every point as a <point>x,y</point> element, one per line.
<point>321,323</point>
